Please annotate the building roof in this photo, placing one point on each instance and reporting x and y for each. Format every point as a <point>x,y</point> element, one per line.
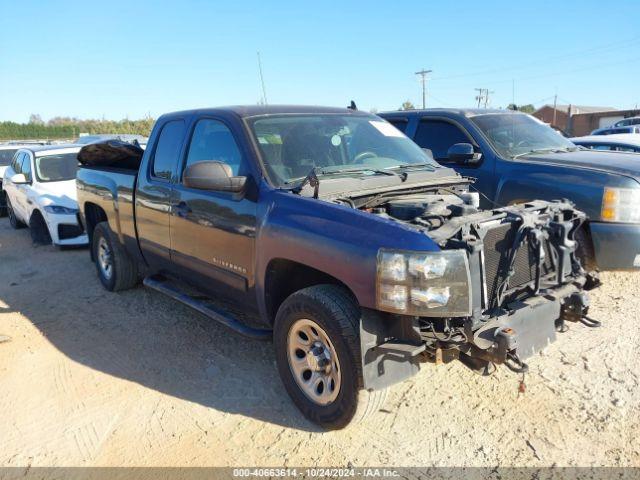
<point>578,108</point>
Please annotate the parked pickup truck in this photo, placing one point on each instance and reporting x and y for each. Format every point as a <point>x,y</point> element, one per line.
<point>332,233</point>
<point>515,158</point>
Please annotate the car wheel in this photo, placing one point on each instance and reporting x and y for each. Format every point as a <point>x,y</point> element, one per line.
<point>317,343</point>
<point>13,220</point>
<point>116,270</point>
<point>39,230</point>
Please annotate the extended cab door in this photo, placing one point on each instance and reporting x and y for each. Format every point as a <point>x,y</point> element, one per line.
<point>438,134</point>
<point>213,232</point>
<point>153,194</point>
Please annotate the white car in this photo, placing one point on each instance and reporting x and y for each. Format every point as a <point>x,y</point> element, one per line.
<point>624,142</point>
<point>40,188</point>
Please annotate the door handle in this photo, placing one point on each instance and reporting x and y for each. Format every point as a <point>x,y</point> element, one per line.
<point>182,209</point>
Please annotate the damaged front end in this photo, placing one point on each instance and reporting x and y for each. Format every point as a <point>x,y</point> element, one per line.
<point>504,283</point>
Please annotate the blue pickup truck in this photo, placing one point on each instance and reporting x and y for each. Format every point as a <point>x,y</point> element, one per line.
<point>333,234</point>
<point>516,158</point>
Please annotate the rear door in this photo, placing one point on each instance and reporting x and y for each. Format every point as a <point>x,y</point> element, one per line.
<point>213,233</point>
<point>153,194</point>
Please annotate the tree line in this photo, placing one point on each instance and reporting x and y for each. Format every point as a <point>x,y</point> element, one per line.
<point>70,128</point>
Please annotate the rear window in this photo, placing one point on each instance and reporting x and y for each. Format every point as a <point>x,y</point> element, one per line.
<point>168,149</point>
<point>6,156</point>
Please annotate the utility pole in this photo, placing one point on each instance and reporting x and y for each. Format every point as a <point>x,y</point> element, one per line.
<point>423,73</point>
<point>480,96</point>
<point>486,96</point>
<point>555,104</point>
<point>483,96</point>
<point>264,91</point>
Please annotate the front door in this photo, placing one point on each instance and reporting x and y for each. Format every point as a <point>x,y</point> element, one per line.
<point>213,233</point>
<point>438,135</point>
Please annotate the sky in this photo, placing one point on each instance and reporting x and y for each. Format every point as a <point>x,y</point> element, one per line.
<point>129,59</point>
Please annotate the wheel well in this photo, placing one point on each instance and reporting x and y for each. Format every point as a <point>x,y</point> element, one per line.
<point>285,277</point>
<point>93,215</point>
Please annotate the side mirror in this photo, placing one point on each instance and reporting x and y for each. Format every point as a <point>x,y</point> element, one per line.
<point>19,179</point>
<point>212,175</point>
<point>463,153</point>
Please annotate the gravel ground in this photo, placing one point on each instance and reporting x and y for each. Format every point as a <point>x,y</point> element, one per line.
<point>93,378</point>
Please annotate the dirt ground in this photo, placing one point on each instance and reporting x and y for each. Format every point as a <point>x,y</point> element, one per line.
<point>92,378</point>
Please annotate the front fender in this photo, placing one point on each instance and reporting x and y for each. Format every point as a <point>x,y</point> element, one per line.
<point>540,182</point>
<point>334,239</point>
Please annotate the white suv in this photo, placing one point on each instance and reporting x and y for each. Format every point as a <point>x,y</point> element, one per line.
<point>40,188</point>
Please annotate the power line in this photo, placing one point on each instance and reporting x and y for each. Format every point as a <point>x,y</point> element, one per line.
<point>615,45</point>
<point>423,73</point>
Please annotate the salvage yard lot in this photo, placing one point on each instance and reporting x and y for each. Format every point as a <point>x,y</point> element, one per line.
<point>95,378</point>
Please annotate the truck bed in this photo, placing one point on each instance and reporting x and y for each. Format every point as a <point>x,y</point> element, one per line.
<point>112,189</point>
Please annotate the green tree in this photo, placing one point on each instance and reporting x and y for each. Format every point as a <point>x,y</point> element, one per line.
<point>528,108</point>
<point>407,105</point>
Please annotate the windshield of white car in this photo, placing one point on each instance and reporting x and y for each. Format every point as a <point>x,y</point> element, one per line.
<point>349,145</point>
<point>57,168</point>
<point>514,135</point>
<point>6,156</point>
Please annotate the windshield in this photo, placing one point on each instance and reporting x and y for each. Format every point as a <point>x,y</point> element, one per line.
<point>6,156</point>
<point>513,135</point>
<point>292,145</point>
<point>57,168</point>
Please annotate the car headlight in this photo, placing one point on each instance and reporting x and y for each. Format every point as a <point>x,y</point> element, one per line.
<point>59,210</point>
<point>621,205</point>
<point>426,284</point>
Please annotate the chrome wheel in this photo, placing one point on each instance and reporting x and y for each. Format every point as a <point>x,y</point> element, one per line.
<point>105,258</point>
<point>313,361</point>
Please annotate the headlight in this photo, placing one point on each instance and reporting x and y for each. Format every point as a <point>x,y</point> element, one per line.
<point>426,284</point>
<point>58,210</point>
<point>621,205</point>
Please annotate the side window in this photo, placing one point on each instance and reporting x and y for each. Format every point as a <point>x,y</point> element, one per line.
<point>26,167</point>
<point>438,136</point>
<point>601,147</point>
<point>212,140</point>
<point>400,124</point>
<point>168,149</point>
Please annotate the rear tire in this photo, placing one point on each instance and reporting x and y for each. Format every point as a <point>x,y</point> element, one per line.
<point>13,220</point>
<point>323,318</point>
<point>39,230</point>
<point>116,270</point>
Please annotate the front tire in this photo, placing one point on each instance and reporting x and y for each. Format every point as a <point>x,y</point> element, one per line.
<point>116,270</point>
<point>317,344</point>
<point>13,220</point>
<point>39,230</point>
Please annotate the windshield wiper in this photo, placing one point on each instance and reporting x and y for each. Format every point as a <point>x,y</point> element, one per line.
<point>540,150</point>
<point>421,166</point>
<point>312,177</point>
